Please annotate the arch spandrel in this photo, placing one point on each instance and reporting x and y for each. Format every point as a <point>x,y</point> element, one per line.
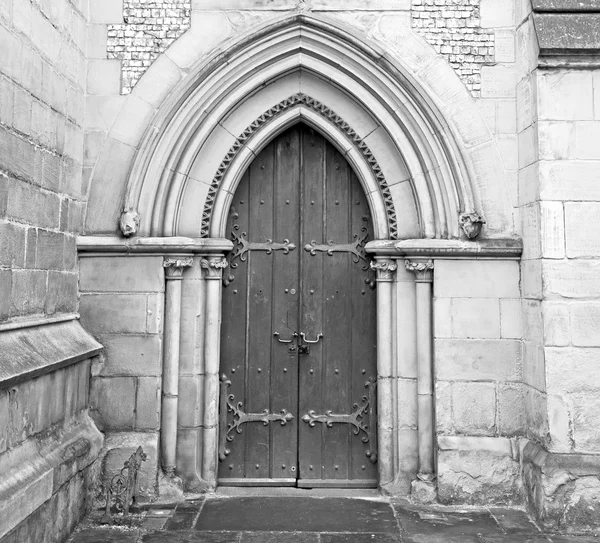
<point>305,53</point>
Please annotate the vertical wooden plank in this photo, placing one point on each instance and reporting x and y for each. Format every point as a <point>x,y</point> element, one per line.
<point>286,293</point>
<point>311,365</point>
<point>336,315</point>
<point>363,329</point>
<point>260,299</point>
<point>233,330</point>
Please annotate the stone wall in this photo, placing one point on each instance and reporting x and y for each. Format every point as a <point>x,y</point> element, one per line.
<point>42,191</point>
<point>122,304</point>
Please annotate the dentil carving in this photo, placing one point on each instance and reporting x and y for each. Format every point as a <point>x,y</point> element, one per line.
<point>174,267</point>
<point>471,224</point>
<point>129,222</point>
<point>422,268</point>
<point>214,266</point>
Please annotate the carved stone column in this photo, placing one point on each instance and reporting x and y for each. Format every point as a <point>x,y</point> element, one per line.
<point>385,269</point>
<point>174,268</point>
<point>213,266</point>
<point>423,270</point>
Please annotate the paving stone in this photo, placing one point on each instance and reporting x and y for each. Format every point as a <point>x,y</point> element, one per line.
<point>359,538</point>
<point>513,521</point>
<point>191,537</point>
<point>106,535</point>
<point>182,520</point>
<point>281,537</point>
<point>297,514</point>
<point>154,523</point>
<point>540,538</point>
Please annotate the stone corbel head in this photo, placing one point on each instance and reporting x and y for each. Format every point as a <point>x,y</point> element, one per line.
<point>471,223</point>
<point>129,222</point>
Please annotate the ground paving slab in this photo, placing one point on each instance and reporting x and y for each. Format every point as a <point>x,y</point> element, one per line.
<point>306,518</point>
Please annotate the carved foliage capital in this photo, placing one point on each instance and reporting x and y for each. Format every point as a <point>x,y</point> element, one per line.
<point>214,266</point>
<point>385,269</point>
<point>174,267</point>
<point>423,269</point>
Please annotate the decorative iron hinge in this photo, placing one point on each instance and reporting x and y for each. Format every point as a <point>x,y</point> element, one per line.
<point>228,405</point>
<point>357,249</point>
<point>355,419</point>
<point>243,246</point>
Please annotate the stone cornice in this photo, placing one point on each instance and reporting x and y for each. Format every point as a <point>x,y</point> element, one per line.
<point>152,246</point>
<point>510,249</point>
<point>566,6</point>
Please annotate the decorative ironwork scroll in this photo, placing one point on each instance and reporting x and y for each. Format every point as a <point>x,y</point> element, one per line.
<point>228,405</point>
<point>357,249</point>
<point>242,246</point>
<point>355,419</point>
<point>123,487</point>
<point>272,113</point>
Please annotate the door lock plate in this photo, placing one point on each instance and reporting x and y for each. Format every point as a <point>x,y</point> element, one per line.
<point>304,349</point>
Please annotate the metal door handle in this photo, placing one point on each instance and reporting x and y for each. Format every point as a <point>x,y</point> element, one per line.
<point>276,334</point>
<point>303,336</point>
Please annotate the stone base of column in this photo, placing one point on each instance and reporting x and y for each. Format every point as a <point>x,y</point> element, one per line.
<point>423,491</point>
<point>170,486</point>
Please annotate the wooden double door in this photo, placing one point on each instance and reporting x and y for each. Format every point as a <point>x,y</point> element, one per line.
<point>298,346</point>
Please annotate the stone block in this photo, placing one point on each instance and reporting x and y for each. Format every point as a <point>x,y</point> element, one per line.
<point>97,35</point>
<point>560,424</point>
<point>108,187</point>
<point>12,245</point>
<point>504,43</point>
<point>147,403</point>
<point>531,279</point>
<point>475,318</point>
<point>101,111</point>
<point>557,324</point>
<point>158,81</point>
<point>475,476</point>
<point>62,292</point>
<point>50,250</point>
<point>132,121</point>
<point>244,4</point>
<point>586,434</point>
<point>476,279</point>
<point>477,360</point>
<point>28,292</point>
<point>572,370</point>
<point>5,287</point>
<point>498,81</point>
<point>508,146</point>
<point>104,77</point>
<point>443,407</point>
<point>132,355</point>
<point>154,320</point>
<point>528,146</point>
<point>122,274</point>
<point>28,204</point>
<point>534,365</point>
<point>407,403</point>
<point>552,217</point>
<point>569,180</point>
<point>474,408</point>
<point>112,400</point>
<point>497,13</point>
<point>571,278</point>
<point>511,319</point>
<point>114,313</point>
<point>564,140</point>
<point>442,317</point>
<point>512,414</point>
<point>585,331</point>
<point>581,229</point>
<point>106,11</point>
<point>565,95</point>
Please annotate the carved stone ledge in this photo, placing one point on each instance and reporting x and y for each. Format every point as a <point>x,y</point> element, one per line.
<point>385,269</point>
<point>423,269</point>
<point>214,266</point>
<point>174,267</point>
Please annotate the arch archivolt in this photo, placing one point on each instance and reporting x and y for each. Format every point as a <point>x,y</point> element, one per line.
<point>213,125</point>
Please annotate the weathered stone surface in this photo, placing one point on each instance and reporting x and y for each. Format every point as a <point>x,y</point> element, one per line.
<point>580,222</point>
<point>572,33</point>
<point>474,408</point>
<point>121,274</point>
<point>113,402</point>
<point>147,403</point>
<point>114,313</point>
<point>566,5</point>
<point>132,355</point>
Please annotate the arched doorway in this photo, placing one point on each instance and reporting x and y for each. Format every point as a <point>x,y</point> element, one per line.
<point>298,341</point>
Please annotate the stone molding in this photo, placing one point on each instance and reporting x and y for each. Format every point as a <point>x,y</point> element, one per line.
<point>273,112</point>
<point>89,245</point>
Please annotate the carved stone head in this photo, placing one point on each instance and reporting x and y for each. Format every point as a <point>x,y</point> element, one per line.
<point>129,223</point>
<point>471,223</point>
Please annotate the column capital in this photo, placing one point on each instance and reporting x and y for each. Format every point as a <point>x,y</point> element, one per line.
<point>174,267</point>
<point>423,269</point>
<point>385,268</point>
<point>214,266</point>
